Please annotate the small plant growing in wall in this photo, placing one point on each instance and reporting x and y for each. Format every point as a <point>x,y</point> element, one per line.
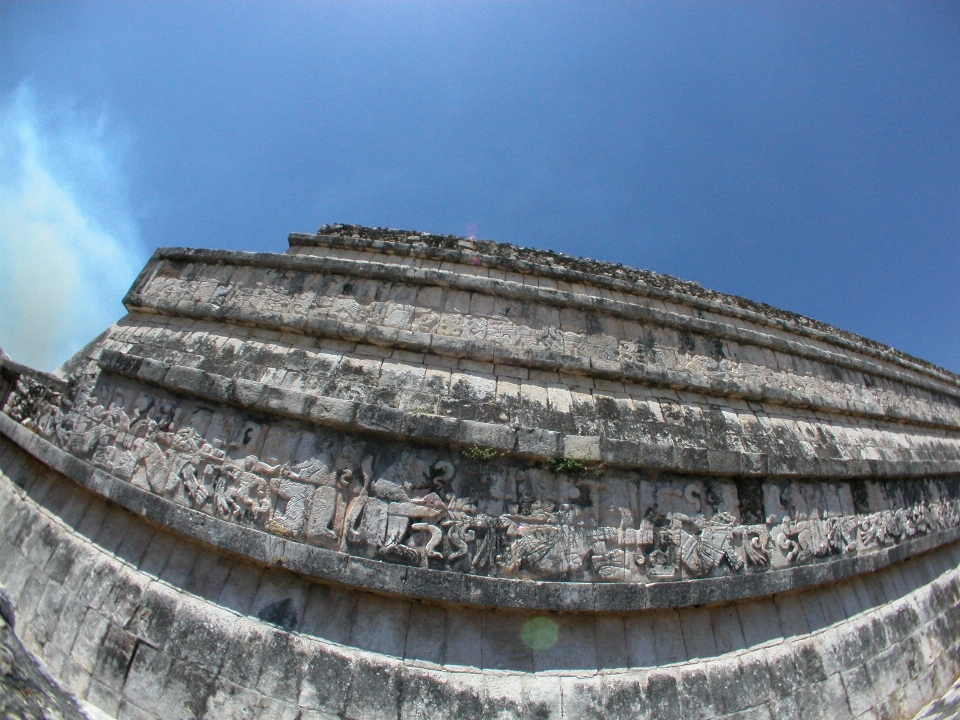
<point>481,454</point>
<point>574,468</point>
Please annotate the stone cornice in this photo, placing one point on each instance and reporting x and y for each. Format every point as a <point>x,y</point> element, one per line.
<point>524,442</point>
<point>135,300</point>
<point>644,283</point>
<point>548,360</point>
<point>12,369</point>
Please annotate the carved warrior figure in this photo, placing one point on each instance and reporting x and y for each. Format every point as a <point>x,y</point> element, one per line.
<point>28,402</point>
<point>613,563</point>
<point>339,500</point>
<point>806,538</point>
<point>549,542</point>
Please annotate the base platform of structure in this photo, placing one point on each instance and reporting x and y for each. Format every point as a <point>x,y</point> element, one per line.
<point>143,623</point>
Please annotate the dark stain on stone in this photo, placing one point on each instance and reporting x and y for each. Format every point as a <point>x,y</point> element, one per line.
<point>861,501</point>
<point>280,613</point>
<point>718,353</point>
<point>687,342</point>
<point>713,497</point>
<point>750,493</point>
<point>593,324</point>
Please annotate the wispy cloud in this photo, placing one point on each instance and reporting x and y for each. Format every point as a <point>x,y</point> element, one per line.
<point>69,246</point>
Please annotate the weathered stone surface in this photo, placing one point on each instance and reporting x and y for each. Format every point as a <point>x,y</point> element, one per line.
<point>943,708</point>
<point>400,475</point>
<point>27,692</point>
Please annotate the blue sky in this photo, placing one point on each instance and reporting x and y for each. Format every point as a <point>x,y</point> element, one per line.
<point>802,154</point>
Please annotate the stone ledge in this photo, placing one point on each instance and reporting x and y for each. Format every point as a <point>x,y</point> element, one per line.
<point>858,647</point>
<point>135,300</point>
<point>558,269</point>
<point>549,360</point>
<point>435,429</point>
<point>13,369</point>
<point>450,587</point>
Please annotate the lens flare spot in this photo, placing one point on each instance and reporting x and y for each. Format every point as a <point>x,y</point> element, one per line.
<point>540,633</point>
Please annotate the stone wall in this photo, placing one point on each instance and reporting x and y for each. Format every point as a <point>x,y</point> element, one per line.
<point>26,691</point>
<point>399,475</point>
<point>406,339</point>
<point>144,623</point>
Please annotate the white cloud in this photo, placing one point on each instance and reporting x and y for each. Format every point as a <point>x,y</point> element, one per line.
<point>69,247</point>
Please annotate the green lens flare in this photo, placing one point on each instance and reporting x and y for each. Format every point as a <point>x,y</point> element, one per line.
<point>540,633</point>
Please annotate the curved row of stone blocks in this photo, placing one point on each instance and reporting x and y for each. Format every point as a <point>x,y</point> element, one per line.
<point>144,623</point>
<point>400,475</point>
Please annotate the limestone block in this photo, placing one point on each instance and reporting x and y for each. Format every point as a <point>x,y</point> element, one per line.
<point>487,435</point>
<point>537,442</point>
<point>580,447</point>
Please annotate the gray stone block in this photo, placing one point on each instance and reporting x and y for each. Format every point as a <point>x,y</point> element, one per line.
<point>380,625</point>
<point>209,575</point>
<point>187,691</point>
<point>611,642</point>
<point>825,699</point>
<point>380,419</point>
<point>624,696</point>
<point>662,692</point>
<point>537,442</point>
<point>374,691</point>
<point>86,645</point>
<point>247,393</point>
<point>430,427</point>
<point>28,600</point>
<point>425,695</point>
<point>727,631</point>
<point>199,639</point>
<point>506,641</point>
<point>103,697</point>
<point>760,622</point>
<point>67,623</point>
<point>641,643</point>
<point>583,698</point>
<point>487,435</point>
<point>44,620</point>
<point>724,679</point>
<point>326,681</point>
<point>694,692</point>
<point>141,686</point>
<point>286,663</point>
<point>697,631</point>
<point>426,633</point>
<point>465,640</point>
<point>582,447</point>
<point>122,597</point>
<point>329,614</point>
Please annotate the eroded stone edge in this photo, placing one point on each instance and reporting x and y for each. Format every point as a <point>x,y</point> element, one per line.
<point>436,429</point>
<point>819,331</point>
<point>471,283</point>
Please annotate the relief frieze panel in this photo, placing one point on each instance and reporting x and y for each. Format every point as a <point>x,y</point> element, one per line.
<point>437,507</point>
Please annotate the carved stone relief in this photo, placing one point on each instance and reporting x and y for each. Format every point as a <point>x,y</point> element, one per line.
<point>436,508</point>
<point>31,403</point>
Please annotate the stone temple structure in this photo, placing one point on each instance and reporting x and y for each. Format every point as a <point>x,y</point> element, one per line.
<point>401,475</point>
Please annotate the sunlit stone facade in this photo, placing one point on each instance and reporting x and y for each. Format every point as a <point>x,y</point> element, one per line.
<point>393,474</point>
